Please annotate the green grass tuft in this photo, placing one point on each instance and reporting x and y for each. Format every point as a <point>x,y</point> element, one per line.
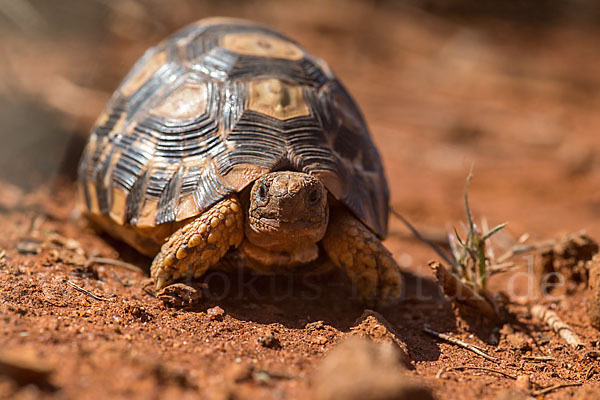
<point>472,260</point>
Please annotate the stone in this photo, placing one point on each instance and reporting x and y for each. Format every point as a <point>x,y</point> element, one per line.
<point>360,369</point>
<point>374,326</point>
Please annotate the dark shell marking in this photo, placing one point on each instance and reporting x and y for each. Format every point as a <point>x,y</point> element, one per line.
<point>215,106</point>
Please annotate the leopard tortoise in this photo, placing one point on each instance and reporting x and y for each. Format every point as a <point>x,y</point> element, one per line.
<point>229,135</point>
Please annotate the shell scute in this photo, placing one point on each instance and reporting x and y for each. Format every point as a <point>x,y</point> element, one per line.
<point>208,111</point>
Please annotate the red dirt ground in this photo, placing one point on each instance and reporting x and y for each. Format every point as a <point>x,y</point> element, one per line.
<point>514,93</point>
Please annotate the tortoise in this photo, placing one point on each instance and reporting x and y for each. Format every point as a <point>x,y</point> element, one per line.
<point>228,136</point>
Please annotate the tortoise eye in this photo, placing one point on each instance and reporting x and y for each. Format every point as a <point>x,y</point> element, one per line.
<point>261,193</point>
<point>314,196</point>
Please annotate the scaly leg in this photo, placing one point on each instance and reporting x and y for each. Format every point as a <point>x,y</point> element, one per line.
<point>200,244</point>
<point>355,249</point>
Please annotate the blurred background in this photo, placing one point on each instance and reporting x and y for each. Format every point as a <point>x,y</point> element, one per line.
<point>511,87</point>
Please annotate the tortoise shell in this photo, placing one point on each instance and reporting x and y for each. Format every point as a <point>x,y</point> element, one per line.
<point>209,110</point>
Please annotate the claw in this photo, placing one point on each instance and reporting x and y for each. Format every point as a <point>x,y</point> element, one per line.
<point>161,282</point>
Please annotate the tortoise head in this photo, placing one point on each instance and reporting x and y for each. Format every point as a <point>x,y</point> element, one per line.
<point>287,209</point>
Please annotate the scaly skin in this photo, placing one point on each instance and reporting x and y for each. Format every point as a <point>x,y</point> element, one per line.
<point>287,216</point>
<point>355,249</point>
<point>200,244</point>
<point>288,211</point>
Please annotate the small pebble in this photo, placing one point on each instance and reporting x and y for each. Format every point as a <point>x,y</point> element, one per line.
<point>313,326</point>
<point>262,377</point>
<point>179,295</point>
<point>320,340</point>
<point>29,246</point>
<point>215,313</point>
<point>269,340</point>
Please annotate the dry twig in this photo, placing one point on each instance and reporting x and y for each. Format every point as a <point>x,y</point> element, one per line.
<point>145,287</point>
<point>552,388</point>
<point>471,347</point>
<point>53,303</point>
<point>552,319</point>
<point>454,287</point>
<point>537,358</point>
<point>502,267</point>
<point>463,367</point>
<point>525,248</point>
<point>116,263</point>
<point>471,263</point>
<point>84,291</point>
<point>422,237</point>
<point>590,372</point>
<point>437,237</point>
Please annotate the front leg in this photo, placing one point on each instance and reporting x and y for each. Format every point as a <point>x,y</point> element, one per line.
<point>200,244</point>
<point>352,247</point>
